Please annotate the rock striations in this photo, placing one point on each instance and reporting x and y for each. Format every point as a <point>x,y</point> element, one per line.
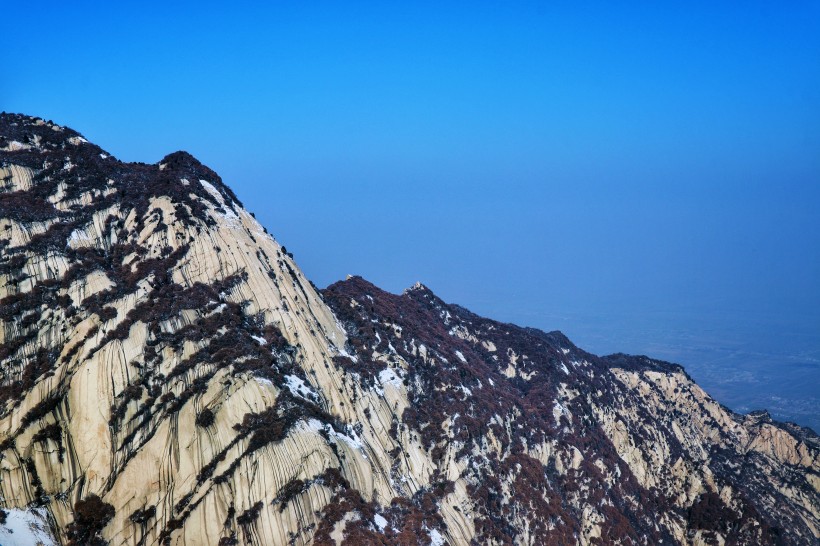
<point>169,376</point>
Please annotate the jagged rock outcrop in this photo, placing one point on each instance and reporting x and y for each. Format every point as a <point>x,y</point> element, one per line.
<point>169,376</point>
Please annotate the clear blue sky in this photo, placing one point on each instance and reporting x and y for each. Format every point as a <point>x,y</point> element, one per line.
<point>529,160</point>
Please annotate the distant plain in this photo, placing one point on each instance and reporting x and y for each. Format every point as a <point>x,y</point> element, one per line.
<point>747,364</point>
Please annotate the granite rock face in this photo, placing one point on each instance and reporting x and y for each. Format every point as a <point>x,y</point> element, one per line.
<point>169,376</point>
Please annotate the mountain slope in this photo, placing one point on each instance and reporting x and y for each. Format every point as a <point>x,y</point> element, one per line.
<point>555,445</point>
<point>169,376</point>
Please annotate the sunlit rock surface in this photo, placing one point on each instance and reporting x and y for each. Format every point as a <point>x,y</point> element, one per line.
<point>169,376</point>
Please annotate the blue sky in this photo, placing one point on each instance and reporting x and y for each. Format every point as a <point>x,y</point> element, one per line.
<point>532,162</point>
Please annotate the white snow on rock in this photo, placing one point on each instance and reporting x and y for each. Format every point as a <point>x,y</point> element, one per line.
<point>79,238</point>
<point>77,140</point>
<point>388,377</point>
<point>435,538</point>
<point>299,388</point>
<point>26,528</point>
<point>213,191</point>
<point>558,409</point>
<point>351,438</point>
<point>380,522</point>
<point>229,215</point>
<point>315,425</point>
<point>218,196</point>
<point>344,353</point>
<point>218,309</point>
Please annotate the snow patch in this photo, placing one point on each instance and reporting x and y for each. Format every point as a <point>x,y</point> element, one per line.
<point>558,409</point>
<point>78,237</point>
<point>210,188</point>
<point>316,425</point>
<point>260,340</point>
<point>380,522</point>
<point>352,439</point>
<point>231,218</point>
<point>26,528</point>
<point>221,307</point>
<point>461,357</point>
<point>345,354</point>
<point>388,377</point>
<point>435,538</point>
<point>297,387</point>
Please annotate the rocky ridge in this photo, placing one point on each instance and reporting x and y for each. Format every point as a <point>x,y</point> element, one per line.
<point>169,376</point>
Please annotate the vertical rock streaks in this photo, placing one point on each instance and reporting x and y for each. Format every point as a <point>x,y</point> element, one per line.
<point>169,376</point>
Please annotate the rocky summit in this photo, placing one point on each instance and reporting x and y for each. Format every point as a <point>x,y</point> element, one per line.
<point>169,376</point>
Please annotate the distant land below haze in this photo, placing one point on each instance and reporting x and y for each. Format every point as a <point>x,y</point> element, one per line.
<point>747,362</point>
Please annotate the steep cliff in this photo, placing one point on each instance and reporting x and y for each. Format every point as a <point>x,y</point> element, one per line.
<point>169,376</point>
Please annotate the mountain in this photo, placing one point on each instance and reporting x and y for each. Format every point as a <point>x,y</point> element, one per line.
<point>169,376</point>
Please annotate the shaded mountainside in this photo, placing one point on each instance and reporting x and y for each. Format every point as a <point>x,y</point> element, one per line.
<point>548,438</point>
<point>169,376</point>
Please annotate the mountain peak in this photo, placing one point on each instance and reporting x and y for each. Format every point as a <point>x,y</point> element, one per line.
<point>182,162</point>
<point>417,289</point>
<point>162,357</point>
